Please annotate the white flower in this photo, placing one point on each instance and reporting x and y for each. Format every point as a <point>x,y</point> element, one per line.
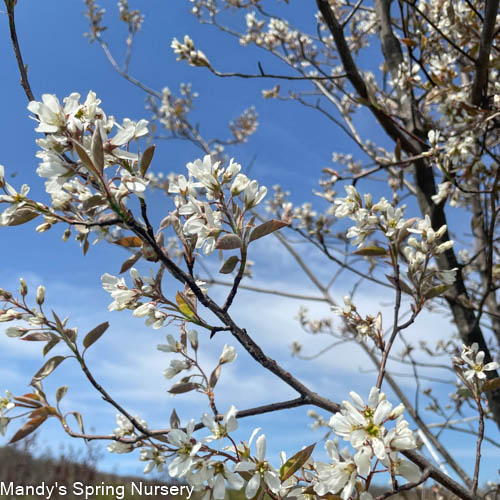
<point>154,458</point>
<point>362,424</point>
<point>172,346</point>
<point>221,429</point>
<point>253,194</point>
<point>475,359</point>
<point>400,437</point>
<point>401,467</point>
<point>117,447</point>
<point>6,402</point>
<point>207,173</point>
<point>50,114</point>
<point>125,426</point>
<point>347,206</point>
<point>176,366</point>
<point>123,297</point>
<point>186,452</point>
<point>239,184</point>
<point>341,474</point>
<point>261,469</point>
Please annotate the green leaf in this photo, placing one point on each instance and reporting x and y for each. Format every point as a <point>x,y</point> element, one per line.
<point>229,265</point>
<point>371,251</point>
<point>293,464</point>
<point>436,291</point>
<point>48,368</point>
<point>95,334</point>
<point>146,159</point>
<point>184,307</point>
<point>491,385</point>
<point>266,228</point>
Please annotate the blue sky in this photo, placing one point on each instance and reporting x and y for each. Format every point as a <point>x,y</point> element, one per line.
<point>292,146</point>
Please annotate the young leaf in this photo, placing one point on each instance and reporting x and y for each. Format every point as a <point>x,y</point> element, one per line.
<point>129,242</point>
<point>174,420</point>
<point>491,385</point>
<point>371,251</point>
<point>61,392</point>
<point>214,377</point>
<point>266,228</point>
<point>146,159</point>
<point>28,428</point>
<point>95,334</point>
<point>49,345</point>
<point>229,265</point>
<point>436,291</point>
<point>130,261</point>
<point>97,151</point>
<point>48,368</point>
<point>182,388</point>
<point>228,242</point>
<point>79,420</point>
<point>293,464</point>
<point>184,306</point>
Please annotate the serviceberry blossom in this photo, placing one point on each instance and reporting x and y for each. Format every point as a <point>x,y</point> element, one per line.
<point>223,428</point>
<point>474,363</point>
<point>186,51</point>
<point>363,425</point>
<point>187,448</point>
<point>341,474</point>
<point>262,471</point>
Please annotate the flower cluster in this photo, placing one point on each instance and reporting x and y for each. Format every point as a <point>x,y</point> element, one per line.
<point>204,219</point>
<point>415,238</point>
<point>470,365</point>
<point>186,51</point>
<point>364,327</point>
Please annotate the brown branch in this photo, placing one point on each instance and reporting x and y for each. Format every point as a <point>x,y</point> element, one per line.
<point>407,487</point>
<point>480,84</point>
<point>263,74</point>
<point>240,334</point>
<point>10,4</point>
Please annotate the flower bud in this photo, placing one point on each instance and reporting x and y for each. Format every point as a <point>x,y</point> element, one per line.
<point>40,295</point>
<point>228,355</point>
<point>193,338</point>
<point>23,287</point>
<point>43,227</point>
<point>239,184</point>
<point>66,235</point>
<point>444,246</point>
<point>5,294</point>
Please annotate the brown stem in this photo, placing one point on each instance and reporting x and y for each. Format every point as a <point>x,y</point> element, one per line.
<point>10,4</point>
